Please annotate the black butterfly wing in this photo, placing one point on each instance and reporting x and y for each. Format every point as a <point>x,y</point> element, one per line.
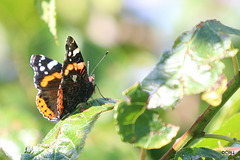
<point>47,78</point>
<point>76,87</point>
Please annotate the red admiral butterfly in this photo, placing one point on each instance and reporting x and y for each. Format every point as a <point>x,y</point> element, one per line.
<point>61,87</point>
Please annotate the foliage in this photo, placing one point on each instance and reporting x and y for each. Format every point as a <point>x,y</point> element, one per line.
<point>48,14</point>
<point>198,153</point>
<point>191,67</point>
<point>194,65</point>
<point>138,125</point>
<point>67,138</point>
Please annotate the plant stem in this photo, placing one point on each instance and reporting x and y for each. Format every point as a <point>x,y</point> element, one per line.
<point>196,130</point>
<point>216,136</point>
<point>235,65</point>
<point>143,154</point>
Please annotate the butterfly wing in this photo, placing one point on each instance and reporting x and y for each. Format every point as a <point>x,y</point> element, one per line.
<point>47,78</point>
<point>76,87</point>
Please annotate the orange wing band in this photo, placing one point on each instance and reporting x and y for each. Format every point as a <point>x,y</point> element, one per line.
<point>43,108</point>
<point>76,66</point>
<point>49,78</point>
<point>60,101</point>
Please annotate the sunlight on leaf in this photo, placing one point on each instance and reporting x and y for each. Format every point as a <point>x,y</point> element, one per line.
<point>48,14</point>
<point>192,66</point>
<point>3,155</point>
<point>66,140</point>
<point>213,95</point>
<point>140,126</point>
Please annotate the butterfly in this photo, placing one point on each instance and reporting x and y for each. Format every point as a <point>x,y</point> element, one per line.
<point>61,87</point>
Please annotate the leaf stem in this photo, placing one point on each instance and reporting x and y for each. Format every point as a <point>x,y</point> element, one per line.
<point>197,129</point>
<point>143,154</point>
<point>235,65</point>
<point>217,136</point>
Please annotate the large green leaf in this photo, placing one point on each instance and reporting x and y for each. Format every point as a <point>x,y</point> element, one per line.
<point>140,126</point>
<point>230,108</point>
<point>3,154</point>
<point>230,128</point>
<point>192,65</point>
<point>67,138</point>
<point>48,14</point>
<point>199,154</point>
<point>234,157</point>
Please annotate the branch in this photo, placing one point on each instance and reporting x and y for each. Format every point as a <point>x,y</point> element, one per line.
<point>200,124</point>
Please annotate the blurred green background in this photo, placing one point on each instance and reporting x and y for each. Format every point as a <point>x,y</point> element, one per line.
<point>135,32</point>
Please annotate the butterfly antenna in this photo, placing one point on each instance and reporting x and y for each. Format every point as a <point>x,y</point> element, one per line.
<point>99,62</point>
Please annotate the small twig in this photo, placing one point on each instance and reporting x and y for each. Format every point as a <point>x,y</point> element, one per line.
<point>216,136</point>
<point>235,63</point>
<point>143,154</point>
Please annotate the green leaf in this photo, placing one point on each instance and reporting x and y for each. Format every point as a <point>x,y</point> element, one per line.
<point>191,66</point>
<point>3,154</point>
<point>140,126</point>
<point>198,154</point>
<point>66,140</point>
<point>48,14</point>
<point>230,108</point>
<point>234,157</point>
<point>213,95</point>
<point>230,128</point>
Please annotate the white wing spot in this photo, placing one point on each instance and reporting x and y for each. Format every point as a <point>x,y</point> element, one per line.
<point>39,64</point>
<point>42,58</point>
<point>42,68</point>
<point>69,54</point>
<point>51,64</point>
<point>46,72</point>
<point>74,78</point>
<point>76,51</point>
